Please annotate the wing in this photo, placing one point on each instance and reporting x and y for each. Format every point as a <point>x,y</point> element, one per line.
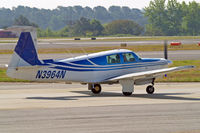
<point>150,74</point>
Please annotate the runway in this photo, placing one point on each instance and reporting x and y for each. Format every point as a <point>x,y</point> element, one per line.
<point>58,107</point>
<point>59,43</point>
<point>172,55</point>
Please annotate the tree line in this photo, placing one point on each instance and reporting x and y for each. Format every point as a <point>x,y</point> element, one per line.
<point>160,18</point>
<point>86,27</point>
<point>89,28</point>
<point>58,18</point>
<point>172,18</point>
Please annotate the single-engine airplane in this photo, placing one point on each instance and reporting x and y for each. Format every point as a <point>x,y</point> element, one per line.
<point>108,67</point>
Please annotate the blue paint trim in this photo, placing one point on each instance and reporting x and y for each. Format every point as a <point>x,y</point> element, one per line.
<point>149,60</point>
<point>100,69</point>
<point>72,64</point>
<point>26,50</point>
<point>48,61</point>
<point>99,60</point>
<point>114,66</point>
<point>82,62</point>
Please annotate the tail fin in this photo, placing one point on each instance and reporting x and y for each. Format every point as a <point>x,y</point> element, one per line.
<point>25,53</point>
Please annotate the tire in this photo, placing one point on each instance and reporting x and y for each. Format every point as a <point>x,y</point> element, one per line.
<point>127,93</point>
<point>150,89</point>
<point>96,89</point>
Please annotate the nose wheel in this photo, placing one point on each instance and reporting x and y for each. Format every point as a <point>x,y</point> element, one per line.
<point>150,89</point>
<point>96,89</point>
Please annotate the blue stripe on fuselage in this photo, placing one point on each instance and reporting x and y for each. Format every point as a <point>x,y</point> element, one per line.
<point>79,67</point>
<point>103,66</point>
<point>103,69</point>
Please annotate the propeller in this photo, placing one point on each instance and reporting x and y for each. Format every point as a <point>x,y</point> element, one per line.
<point>165,50</point>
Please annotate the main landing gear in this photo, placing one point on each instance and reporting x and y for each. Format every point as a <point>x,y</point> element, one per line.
<point>95,88</point>
<point>150,89</point>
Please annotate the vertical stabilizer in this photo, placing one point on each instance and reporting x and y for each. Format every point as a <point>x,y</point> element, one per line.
<point>25,53</point>
<point>26,50</point>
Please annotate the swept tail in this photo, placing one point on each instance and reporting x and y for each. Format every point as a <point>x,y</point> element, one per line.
<point>25,54</point>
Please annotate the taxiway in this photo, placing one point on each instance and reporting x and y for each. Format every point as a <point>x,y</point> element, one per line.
<point>59,107</point>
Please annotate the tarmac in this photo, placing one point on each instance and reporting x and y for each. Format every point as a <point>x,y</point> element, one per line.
<point>59,107</point>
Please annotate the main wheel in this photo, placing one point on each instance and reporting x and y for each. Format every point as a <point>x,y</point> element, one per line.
<point>127,93</point>
<point>96,89</point>
<point>150,89</point>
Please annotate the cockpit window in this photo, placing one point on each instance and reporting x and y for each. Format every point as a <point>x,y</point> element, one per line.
<point>128,57</point>
<point>115,58</point>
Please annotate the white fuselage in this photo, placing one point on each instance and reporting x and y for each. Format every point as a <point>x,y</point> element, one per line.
<point>73,70</point>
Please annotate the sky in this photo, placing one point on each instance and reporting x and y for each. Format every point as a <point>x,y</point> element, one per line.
<point>52,4</point>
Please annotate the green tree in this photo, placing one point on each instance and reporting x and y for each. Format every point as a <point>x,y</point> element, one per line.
<point>123,27</point>
<point>101,13</point>
<point>157,17</point>
<point>116,12</point>
<point>58,18</point>
<point>6,17</point>
<point>56,22</point>
<point>184,11</point>
<point>86,26</point>
<point>191,21</point>
<point>64,32</point>
<point>96,27</point>
<point>88,13</point>
<point>81,27</point>
<point>174,18</point>
<point>23,21</point>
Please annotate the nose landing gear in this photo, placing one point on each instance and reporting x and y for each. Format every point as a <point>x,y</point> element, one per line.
<point>95,88</point>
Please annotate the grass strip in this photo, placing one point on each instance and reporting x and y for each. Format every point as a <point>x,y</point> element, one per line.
<point>5,78</point>
<point>190,75</point>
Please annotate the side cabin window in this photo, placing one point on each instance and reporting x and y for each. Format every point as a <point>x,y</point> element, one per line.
<point>128,57</point>
<point>111,59</point>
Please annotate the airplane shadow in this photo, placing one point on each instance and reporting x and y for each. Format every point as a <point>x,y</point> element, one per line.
<point>88,94</point>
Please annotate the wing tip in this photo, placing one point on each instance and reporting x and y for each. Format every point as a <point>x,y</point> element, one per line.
<point>190,66</point>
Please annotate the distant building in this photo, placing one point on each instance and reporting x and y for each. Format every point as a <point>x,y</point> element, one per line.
<point>7,34</point>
